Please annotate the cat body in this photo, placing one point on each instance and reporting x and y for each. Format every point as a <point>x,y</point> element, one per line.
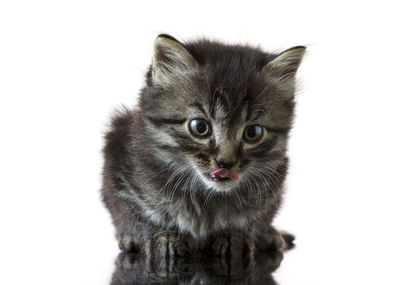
<point>202,160</point>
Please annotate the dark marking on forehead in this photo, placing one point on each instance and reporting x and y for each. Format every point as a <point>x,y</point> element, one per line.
<point>251,115</point>
<point>238,113</point>
<point>254,114</point>
<point>198,106</point>
<point>212,107</point>
<point>225,108</point>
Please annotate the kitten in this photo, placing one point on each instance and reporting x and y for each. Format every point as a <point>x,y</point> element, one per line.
<point>200,164</point>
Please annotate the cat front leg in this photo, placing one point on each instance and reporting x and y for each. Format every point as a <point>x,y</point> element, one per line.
<point>232,244</point>
<point>160,244</point>
<point>128,242</point>
<point>169,244</point>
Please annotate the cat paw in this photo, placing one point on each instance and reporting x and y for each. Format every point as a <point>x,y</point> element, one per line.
<point>169,244</point>
<point>272,240</point>
<point>125,261</point>
<point>128,242</point>
<point>233,245</point>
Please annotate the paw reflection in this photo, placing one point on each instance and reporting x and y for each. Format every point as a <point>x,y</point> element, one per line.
<point>139,269</point>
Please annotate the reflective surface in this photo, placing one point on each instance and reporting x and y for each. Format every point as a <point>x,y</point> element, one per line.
<point>136,269</point>
<point>64,65</point>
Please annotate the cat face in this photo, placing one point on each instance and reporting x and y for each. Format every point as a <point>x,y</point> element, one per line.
<point>223,112</point>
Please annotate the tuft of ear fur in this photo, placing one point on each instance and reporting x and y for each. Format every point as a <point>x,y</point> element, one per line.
<point>284,66</point>
<point>170,59</point>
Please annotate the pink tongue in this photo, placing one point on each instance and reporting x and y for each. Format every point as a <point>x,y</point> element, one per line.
<point>225,173</point>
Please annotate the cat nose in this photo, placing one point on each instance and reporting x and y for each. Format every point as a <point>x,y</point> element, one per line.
<point>225,164</point>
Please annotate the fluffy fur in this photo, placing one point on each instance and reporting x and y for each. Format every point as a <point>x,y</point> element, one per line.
<point>155,181</point>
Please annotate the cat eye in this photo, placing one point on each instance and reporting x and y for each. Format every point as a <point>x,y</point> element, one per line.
<point>199,128</point>
<point>253,133</point>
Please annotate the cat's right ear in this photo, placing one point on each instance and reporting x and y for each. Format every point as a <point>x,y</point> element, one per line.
<point>170,59</point>
<point>284,66</point>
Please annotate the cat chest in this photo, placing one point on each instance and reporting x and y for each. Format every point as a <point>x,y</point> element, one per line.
<point>202,224</point>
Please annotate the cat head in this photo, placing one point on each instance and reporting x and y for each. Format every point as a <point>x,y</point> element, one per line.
<point>222,111</point>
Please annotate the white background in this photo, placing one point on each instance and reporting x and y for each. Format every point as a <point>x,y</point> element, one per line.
<point>64,66</point>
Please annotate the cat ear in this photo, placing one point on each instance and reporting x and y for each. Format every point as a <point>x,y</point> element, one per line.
<point>284,66</point>
<point>170,58</point>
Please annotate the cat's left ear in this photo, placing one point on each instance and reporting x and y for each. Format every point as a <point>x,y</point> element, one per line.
<point>284,66</point>
<point>170,59</point>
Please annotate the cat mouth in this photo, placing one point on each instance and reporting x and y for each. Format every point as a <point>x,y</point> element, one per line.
<point>223,175</point>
